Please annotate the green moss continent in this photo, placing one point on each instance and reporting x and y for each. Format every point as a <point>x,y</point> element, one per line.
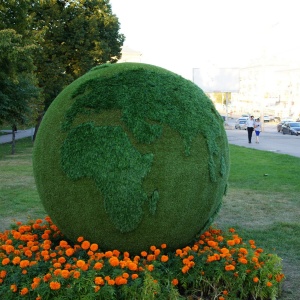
<point>131,155</point>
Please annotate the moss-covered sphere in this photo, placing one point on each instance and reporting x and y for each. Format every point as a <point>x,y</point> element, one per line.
<point>131,155</point>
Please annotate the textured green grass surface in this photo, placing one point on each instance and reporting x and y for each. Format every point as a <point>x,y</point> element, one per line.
<point>131,155</point>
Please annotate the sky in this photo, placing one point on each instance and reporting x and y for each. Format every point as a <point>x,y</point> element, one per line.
<point>180,35</point>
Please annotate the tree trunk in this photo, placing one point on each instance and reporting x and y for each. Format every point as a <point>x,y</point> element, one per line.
<point>38,122</point>
<point>13,141</point>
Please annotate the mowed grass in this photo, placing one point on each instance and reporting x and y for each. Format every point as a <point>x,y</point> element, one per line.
<point>262,202</point>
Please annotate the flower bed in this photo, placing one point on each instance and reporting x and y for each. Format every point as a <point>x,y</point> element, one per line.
<point>38,262</point>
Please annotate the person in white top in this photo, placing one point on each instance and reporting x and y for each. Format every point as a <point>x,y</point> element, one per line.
<point>250,128</point>
<point>257,128</point>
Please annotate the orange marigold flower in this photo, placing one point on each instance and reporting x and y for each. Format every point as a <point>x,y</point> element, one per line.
<point>14,288</point>
<point>150,257</point>
<point>163,246</point>
<point>175,281</point>
<point>61,260</point>
<point>212,243</point>
<point>80,263</point>
<point>225,292</point>
<point>24,263</point>
<point>152,248</point>
<point>156,252</point>
<point>69,251</point>
<point>269,283</point>
<point>132,266</point>
<point>229,267</point>
<point>65,273</point>
<point>99,280</point>
<point>134,276</point>
<point>80,239</point>
<point>5,261</point>
<point>114,261</point>
<point>150,268</point>
<point>230,242</point>
<point>243,250</point>
<point>125,275</point>
<point>108,254</point>
<point>24,291</point>
<point>94,247</point>
<point>164,258</point>
<point>110,282</point>
<point>54,285</point>
<point>185,269</point>
<point>243,260</point>
<point>120,280</point>
<point>144,253</point>
<point>255,279</point>
<point>3,274</point>
<point>85,245</point>
<point>98,266</point>
<point>16,260</point>
<point>221,298</point>
<point>76,274</point>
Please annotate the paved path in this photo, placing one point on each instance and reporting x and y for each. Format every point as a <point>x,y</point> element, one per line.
<point>20,134</point>
<point>270,139</point>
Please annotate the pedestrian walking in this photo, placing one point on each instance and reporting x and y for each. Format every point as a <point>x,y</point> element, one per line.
<point>250,128</point>
<point>257,128</point>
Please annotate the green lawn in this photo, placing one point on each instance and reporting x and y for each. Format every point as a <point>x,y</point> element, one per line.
<point>262,201</point>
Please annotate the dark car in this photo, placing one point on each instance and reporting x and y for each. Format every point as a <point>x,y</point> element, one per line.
<point>279,125</point>
<point>291,128</point>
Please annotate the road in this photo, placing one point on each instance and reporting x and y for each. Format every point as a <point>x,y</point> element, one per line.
<point>269,140</point>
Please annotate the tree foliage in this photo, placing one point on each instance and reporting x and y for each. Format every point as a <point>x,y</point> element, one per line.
<point>18,85</point>
<point>71,37</point>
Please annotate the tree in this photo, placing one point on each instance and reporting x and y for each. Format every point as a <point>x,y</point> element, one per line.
<point>77,35</point>
<point>18,84</point>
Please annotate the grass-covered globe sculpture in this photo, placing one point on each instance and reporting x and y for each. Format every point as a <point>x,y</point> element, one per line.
<point>131,155</point>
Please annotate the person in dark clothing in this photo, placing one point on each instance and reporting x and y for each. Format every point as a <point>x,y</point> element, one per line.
<point>250,128</point>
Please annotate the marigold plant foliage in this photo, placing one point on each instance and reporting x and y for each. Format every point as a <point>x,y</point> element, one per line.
<point>38,262</point>
<point>130,155</point>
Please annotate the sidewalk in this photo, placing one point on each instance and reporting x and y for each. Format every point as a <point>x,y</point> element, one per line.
<point>20,134</point>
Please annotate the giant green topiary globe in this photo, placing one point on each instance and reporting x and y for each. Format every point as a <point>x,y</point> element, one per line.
<point>131,155</point>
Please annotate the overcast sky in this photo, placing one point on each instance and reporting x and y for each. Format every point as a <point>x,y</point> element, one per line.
<point>181,35</point>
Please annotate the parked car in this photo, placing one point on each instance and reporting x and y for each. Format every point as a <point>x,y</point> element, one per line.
<point>291,128</point>
<point>267,119</point>
<point>279,125</point>
<point>241,123</point>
